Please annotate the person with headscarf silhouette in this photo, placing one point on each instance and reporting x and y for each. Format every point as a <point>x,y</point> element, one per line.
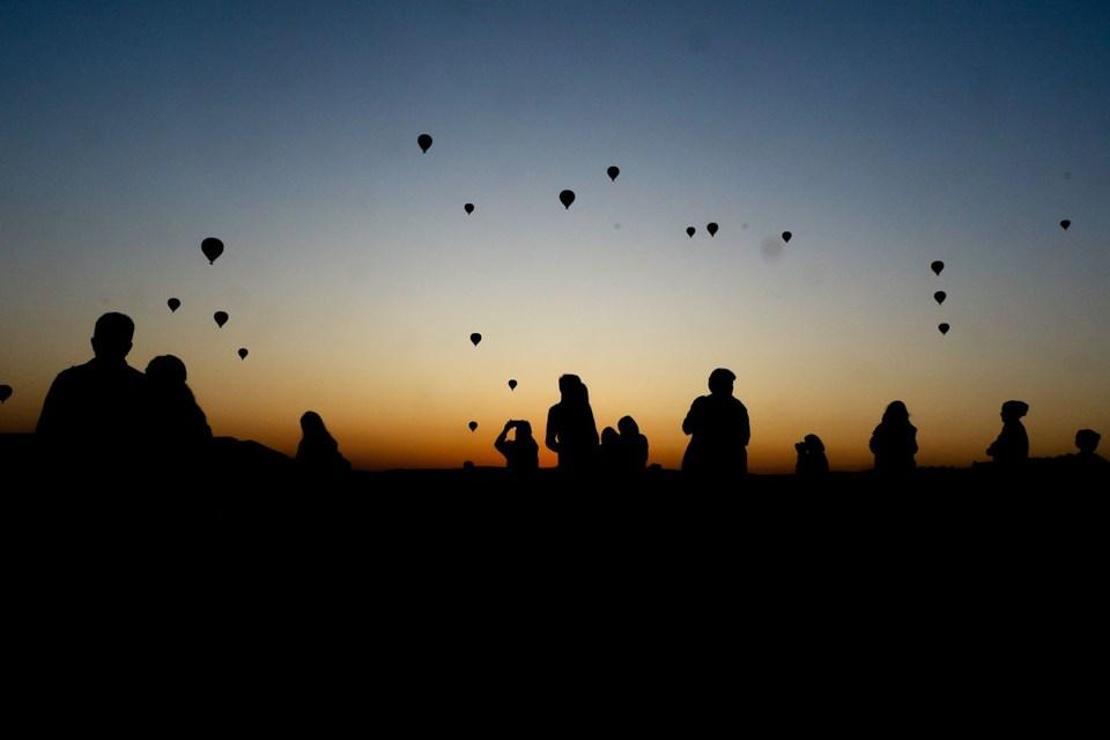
<point>894,442</point>
<point>633,446</point>
<point>1011,448</point>
<point>95,422</point>
<point>571,431</point>
<point>609,463</point>
<point>812,462</point>
<point>318,452</point>
<point>179,424</point>
<point>522,454</point>
<point>719,432</point>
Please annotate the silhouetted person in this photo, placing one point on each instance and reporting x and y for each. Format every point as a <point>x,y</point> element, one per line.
<point>179,424</point>
<point>633,446</point>
<point>571,431</point>
<point>94,424</point>
<point>1087,441</point>
<point>894,442</point>
<point>1012,446</point>
<point>522,454</point>
<point>719,432</point>
<point>812,462</point>
<point>318,452</point>
<point>609,455</point>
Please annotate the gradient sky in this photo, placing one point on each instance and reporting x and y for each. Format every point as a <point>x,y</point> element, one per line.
<point>883,135</point>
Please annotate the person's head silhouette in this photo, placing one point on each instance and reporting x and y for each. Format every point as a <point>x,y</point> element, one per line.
<point>1014,410</point>
<point>573,390</point>
<point>1087,441</point>
<point>628,425</point>
<point>814,444</point>
<point>609,436</point>
<point>721,382</point>
<point>111,340</point>
<point>523,430</point>
<point>166,370</point>
<point>896,413</point>
<point>313,425</point>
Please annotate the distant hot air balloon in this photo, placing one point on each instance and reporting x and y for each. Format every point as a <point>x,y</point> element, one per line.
<point>566,198</point>
<point>475,338</point>
<point>690,231</point>
<point>787,236</point>
<point>174,304</point>
<point>473,425</point>
<point>212,248</point>
<point>469,208</point>
<point>5,393</point>
<point>943,328</point>
<point>243,353</point>
<point>711,227</point>
<point>613,171</point>
<point>221,318</point>
<point>939,296</point>
<point>937,266</point>
<point>425,142</point>
<point>512,384</point>
<point>1065,224</point>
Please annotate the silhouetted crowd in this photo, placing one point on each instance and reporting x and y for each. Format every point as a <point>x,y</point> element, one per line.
<point>104,421</point>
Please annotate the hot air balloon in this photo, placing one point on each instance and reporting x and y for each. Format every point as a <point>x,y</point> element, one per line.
<point>1065,224</point>
<point>512,384</point>
<point>174,304</point>
<point>613,171</point>
<point>475,338</point>
<point>221,318</point>
<point>425,142</point>
<point>566,198</point>
<point>473,425</point>
<point>5,393</point>
<point>937,266</point>
<point>943,328</point>
<point>243,353</point>
<point>212,248</point>
<point>787,236</point>
<point>690,231</point>
<point>469,208</point>
<point>711,227</point>
<point>939,296</point>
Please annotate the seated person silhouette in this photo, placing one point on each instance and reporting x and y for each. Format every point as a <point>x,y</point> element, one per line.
<point>318,452</point>
<point>179,424</point>
<point>633,446</point>
<point>571,430</point>
<point>522,454</point>
<point>894,442</point>
<point>95,421</point>
<point>719,432</point>
<point>609,455</point>
<point>1011,449</point>
<point>812,462</point>
<point>1087,441</point>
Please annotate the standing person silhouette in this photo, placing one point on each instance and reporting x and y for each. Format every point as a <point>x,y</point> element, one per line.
<point>571,431</point>
<point>894,442</point>
<point>94,421</point>
<point>318,452</point>
<point>1011,448</point>
<point>719,432</point>
<point>522,455</point>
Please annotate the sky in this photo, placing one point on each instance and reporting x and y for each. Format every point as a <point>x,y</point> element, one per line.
<point>882,135</point>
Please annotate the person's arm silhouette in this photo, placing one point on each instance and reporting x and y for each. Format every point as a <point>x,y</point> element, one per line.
<point>692,423</point>
<point>501,444</point>
<point>55,409</point>
<point>745,426</point>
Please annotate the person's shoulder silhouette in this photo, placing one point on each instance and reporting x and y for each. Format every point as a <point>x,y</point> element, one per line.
<point>99,409</point>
